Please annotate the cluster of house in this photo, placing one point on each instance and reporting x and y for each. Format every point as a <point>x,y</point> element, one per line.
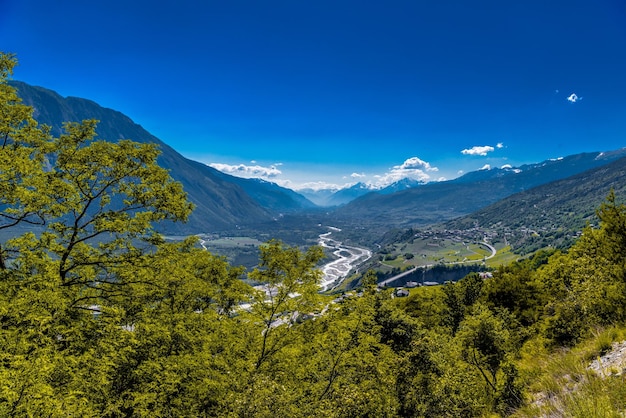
<point>402,292</point>
<point>348,295</point>
<point>459,235</point>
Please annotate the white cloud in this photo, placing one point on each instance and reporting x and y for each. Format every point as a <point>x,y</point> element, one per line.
<point>415,163</point>
<point>248,171</point>
<point>478,150</point>
<point>413,168</point>
<point>499,145</point>
<point>485,167</point>
<point>573,98</point>
<point>506,167</point>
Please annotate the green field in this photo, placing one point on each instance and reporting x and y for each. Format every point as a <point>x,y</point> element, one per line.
<point>429,251</point>
<point>239,251</point>
<point>229,242</point>
<point>503,257</point>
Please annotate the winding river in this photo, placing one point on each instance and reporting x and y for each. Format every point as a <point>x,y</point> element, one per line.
<point>349,257</point>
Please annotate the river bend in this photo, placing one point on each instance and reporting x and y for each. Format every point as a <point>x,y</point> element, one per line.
<point>349,257</point>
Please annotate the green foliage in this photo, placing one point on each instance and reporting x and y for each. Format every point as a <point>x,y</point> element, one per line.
<point>486,342</point>
<point>93,202</point>
<point>99,316</point>
<point>514,288</point>
<point>290,287</point>
<point>459,297</point>
<point>587,285</point>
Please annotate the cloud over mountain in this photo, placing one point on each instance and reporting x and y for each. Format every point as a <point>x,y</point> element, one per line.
<point>413,168</point>
<point>248,171</point>
<point>479,150</point>
<point>415,163</point>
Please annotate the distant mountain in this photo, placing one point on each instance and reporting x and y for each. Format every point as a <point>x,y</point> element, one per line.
<point>441,201</point>
<point>403,184</point>
<point>552,213</point>
<point>272,196</point>
<point>485,174</point>
<point>548,170</point>
<point>222,201</point>
<point>319,197</point>
<point>338,197</point>
<point>343,196</point>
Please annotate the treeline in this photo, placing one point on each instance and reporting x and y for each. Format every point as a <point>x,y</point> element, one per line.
<point>100,317</point>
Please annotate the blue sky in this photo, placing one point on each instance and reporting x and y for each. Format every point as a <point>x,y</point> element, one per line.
<point>340,91</point>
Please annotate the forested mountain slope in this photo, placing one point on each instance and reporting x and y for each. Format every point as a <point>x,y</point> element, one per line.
<point>272,196</point>
<point>552,213</point>
<point>221,201</point>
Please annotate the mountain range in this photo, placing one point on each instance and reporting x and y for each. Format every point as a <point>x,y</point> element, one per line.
<point>550,214</point>
<point>442,201</point>
<point>340,197</point>
<point>224,202</point>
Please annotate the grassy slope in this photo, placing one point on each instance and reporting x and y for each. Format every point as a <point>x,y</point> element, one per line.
<point>559,384</point>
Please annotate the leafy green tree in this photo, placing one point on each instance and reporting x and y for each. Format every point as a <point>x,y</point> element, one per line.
<point>454,310</point>
<point>586,286</point>
<point>613,219</point>
<point>486,343</point>
<point>434,381</point>
<point>22,155</point>
<point>470,288</point>
<point>515,288</point>
<point>397,329</point>
<point>347,368</point>
<point>94,203</point>
<point>427,306</point>
<point>273,333</point>
<point>458,297</point>
<point>178,305</point>
<point>290,287</point>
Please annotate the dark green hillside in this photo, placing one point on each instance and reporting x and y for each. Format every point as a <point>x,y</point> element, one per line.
<point>272,196</point>
<point>442,201</point>
<point>551,214</point>
<point>222,201</point>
